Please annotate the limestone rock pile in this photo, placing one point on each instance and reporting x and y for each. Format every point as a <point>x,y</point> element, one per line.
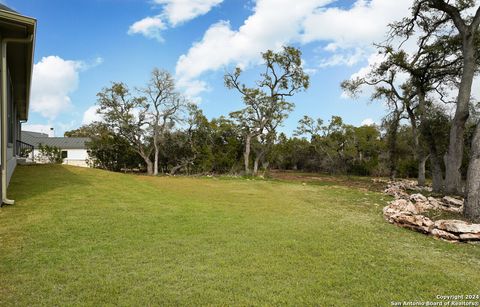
<point>406,211</point>
<point>400,188</point>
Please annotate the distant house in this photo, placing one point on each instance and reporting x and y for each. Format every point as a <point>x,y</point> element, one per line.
<point>74,150</point>
<point>17,40</point>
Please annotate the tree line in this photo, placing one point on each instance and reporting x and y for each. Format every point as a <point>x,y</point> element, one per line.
<point>417,86</point>
<point>158,128</point>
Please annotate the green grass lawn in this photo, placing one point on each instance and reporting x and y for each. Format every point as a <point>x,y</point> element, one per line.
<point>89,237</point>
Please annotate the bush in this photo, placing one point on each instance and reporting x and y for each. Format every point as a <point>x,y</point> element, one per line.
<point>50,154</point>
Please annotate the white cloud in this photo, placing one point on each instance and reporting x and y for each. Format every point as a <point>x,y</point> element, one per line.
<point>345,59</point>
<point>361,25</point>
<point>368,122</point>
<point>54,79</point>
<point>192,89</point>
<point>90,64</point>
<point>174,13</point>
<point>180,11</point>
<point>373,60</point>
<point>91,116</point>
<point>150,27</point>
<point>273,23</point>
<point>347,32</point>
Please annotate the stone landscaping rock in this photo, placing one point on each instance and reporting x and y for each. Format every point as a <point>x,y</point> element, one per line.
<point>444,235</point>
<point>418,198</point>
<point>470,236</point>
<point>452,209</point>
<point>434,202</point>
<point>403,205</point>
<point>389,211</point>
<point>405,211</point>
<point>399,188</point>
<point>415,222</point>
<point>422,203</point>
<point>450,201</point>
<point>396,192</point>
<point>457,226</point>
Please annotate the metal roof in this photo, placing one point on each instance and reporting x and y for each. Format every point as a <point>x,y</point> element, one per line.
<point>35,139</point>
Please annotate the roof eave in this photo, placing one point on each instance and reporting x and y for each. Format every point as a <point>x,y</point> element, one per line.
<point>30,25</point>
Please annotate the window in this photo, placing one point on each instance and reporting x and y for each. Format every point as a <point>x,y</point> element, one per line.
<point>64,154</point>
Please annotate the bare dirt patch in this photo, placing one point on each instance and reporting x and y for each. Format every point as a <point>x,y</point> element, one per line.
<point>362,183</point>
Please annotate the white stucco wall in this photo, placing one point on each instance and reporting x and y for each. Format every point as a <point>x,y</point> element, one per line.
<point>75,157</point>
<point>77,154</point>
<point>11,164</point>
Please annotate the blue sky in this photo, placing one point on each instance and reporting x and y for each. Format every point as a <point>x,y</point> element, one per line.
<point>83,45</point>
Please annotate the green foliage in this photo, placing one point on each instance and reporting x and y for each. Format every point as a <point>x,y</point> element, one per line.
<point>293,154</point>
<point>406,162</point>
<point>201,146</point>
<point>107,149</point>
<point>25,152</point>
<point>127,116</point>
<point>436,126</point>
<point>340,148</point>
<point>50,154</point>
<point>227,145</point>
<point>123,113</point>
<point>266,105</point>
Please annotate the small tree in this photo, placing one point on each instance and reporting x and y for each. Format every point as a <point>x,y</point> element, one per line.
<point>265,105</point>
<point>164,104</point>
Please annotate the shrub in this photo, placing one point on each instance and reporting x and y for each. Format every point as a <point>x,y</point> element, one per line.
<point>50,154</point>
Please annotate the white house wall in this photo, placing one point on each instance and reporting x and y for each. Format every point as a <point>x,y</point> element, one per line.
<point>77,154</point>
<point>75,157</point>
<point>11,165</point>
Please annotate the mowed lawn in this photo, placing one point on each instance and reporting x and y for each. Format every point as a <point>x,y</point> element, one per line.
<point>89,237</point>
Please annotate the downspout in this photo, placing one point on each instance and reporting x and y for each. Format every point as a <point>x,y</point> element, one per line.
<point>4,109</point>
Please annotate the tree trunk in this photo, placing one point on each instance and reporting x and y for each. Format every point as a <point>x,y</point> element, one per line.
<point>453,177</point>
<point>149,166</point>
<point>392,145</point>
<point>419,152</point>
<point>422,160</point>
<point>472,200</point>
<point>246,154</point>
<point>155,164</point>
<point>147,160</point>
<point>175,169</point>
<point>437,173</point>
<point>259,155</point>
<point>255,165</point>
<point>265,165</point>
<point>435,160</point>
